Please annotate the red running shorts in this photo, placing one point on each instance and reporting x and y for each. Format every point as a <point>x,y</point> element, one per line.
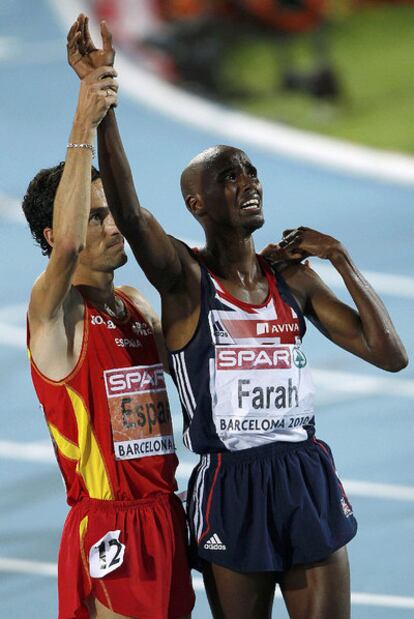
<point>130,555</point>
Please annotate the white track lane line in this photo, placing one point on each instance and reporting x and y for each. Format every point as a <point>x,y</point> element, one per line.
<point>13,313</point>
<point>189,109</point>
<point>11,331</point>
<point>13,336</point>
<point>10,209</point>
<point>40,451</point>
<point>378,491</point>
<point>356,384</point>
<point>22,566</point>
<point>38,568</point>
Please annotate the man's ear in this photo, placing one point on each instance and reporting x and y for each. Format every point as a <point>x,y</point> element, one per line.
<point>48,234</point>
<point>195,205</point>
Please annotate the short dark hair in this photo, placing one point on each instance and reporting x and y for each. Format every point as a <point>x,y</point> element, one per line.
<point>39,199</point>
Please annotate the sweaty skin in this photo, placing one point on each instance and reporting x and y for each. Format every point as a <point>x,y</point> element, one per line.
<point>222,191</point>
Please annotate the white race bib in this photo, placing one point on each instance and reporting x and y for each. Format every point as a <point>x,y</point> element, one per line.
<point>106,555</point>
<point>260,394</point>
<point>140,411</point>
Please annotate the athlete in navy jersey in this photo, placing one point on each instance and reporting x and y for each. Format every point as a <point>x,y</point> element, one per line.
<point>276,511</point>
<point>265,504</point>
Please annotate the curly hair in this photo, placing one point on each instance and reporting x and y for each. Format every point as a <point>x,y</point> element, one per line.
<point>39,199</point>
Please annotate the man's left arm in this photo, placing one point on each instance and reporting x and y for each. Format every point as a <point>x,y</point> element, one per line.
<point>368,331</point>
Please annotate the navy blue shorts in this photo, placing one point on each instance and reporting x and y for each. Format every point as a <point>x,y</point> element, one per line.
<point>268,508</point>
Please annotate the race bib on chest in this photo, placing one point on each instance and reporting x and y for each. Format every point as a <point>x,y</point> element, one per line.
<point>261,390</point>
<point>140,411</point>
<point>106,555</point>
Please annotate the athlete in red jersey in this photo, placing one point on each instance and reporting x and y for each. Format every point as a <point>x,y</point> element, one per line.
<point>98,375</point>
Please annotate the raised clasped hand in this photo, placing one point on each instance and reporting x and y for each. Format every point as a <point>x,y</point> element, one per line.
<point>83,56</point>
<point>98,92</point>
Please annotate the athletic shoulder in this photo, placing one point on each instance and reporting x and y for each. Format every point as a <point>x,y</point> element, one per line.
<point>296,273</point>
<point>141,303</point>
<point>301,280</point>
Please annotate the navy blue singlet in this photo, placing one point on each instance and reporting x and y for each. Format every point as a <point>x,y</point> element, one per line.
<point>243,379</point>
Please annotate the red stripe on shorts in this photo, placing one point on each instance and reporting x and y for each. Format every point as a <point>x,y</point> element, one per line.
<point>210,498</point>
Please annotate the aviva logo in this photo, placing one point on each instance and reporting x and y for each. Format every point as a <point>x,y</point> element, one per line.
<point>299,358</point>
<point>214,543</point>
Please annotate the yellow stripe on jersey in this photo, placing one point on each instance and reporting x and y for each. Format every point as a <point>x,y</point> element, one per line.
<point>65,446</point>
<point>90,462</point>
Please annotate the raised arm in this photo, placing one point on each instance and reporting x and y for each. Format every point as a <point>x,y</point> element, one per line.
<point>368,331</point>
<point>72,202</point>
<point>159,255</point>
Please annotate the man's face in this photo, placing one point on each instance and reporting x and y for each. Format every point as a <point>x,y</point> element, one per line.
<point>231,192</point>
<point>104,248</point>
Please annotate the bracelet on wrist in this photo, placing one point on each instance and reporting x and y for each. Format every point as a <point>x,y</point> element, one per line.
<point>86,146</point>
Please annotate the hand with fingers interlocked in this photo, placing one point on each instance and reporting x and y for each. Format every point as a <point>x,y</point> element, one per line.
<point>82,54</point>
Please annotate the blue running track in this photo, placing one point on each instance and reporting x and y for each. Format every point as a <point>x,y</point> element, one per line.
<point>365,414</point>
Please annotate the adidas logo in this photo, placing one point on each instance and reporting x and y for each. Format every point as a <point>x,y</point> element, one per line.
<point>219,330</point>
<point>214,543</point>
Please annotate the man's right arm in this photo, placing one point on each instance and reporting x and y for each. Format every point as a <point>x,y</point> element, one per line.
<point>72,201</point>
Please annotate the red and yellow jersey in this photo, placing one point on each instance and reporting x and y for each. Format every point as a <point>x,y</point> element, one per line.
<point>110,419</point>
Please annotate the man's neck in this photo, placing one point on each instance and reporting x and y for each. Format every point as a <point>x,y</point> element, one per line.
<point>96,286</point>
<point>232,258</point>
